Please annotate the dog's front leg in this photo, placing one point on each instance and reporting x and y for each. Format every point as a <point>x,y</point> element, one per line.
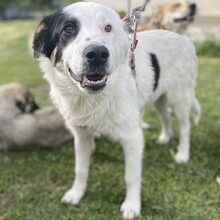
<point>133,149</point>
<point>84,145</point>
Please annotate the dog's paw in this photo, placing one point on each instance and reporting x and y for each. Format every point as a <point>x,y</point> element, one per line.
<point>130,210</point>
<point>163,139</point>
<point>181,157</point>
<point>72,197</point>
<point>145,126</point>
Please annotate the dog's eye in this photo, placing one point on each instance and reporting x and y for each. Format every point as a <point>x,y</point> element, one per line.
<point>69,29</point>
<point>108,28</point>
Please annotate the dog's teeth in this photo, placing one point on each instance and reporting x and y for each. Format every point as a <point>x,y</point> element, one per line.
<point>87,81</point>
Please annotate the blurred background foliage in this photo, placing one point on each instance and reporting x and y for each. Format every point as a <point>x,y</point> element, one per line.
<point>18,7</point>
<point>33,5</point>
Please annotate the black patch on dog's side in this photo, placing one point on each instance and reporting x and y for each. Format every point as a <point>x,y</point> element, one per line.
<point>156,68</point>
<point>51,33</point>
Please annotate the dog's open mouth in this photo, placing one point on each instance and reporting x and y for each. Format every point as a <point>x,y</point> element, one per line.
<point>92,82</point>
<point>184,19</point>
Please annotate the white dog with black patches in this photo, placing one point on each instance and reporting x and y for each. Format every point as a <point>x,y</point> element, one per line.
<point>84,53</point>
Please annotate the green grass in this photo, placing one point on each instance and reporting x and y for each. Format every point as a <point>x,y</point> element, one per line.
<point>208,48</point>
<point>33,182</point>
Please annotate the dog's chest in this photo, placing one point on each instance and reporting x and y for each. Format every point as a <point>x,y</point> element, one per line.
<point>99,114</point>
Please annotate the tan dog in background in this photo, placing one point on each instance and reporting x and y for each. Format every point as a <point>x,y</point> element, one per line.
<point>173,16</point>
<point>24,125</point>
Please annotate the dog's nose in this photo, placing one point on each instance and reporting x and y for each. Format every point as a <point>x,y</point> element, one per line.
<point>192,9</point>
<point>96,55</point>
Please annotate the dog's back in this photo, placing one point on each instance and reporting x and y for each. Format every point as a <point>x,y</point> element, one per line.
<point>156,72</point>
<point>166,74</point>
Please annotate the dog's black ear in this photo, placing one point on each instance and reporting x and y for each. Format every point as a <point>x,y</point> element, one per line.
<point>46,36</point>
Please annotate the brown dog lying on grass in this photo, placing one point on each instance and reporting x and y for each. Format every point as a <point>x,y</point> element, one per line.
<point>24,125</point>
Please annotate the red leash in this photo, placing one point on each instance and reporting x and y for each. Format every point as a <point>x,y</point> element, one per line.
<point>133,17</point>
<point>132,49</point>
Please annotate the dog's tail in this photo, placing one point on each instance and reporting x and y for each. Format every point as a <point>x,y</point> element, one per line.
<point>196,110</point>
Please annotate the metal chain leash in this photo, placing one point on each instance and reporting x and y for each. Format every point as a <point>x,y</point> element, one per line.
<point>133,17</point>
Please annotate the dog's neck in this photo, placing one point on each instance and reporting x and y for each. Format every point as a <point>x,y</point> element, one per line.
<point>81,107</point>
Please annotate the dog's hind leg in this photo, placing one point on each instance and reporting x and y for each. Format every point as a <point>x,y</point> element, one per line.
<point>166,129</point>
<point>84,145</point>
<point>182,108</point>
<point>133,149</point>
<point>196,110</point>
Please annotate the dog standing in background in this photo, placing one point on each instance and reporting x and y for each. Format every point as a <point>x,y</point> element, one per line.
<point>23,125</point>
<point>83,51</point>
<point>173,17</point>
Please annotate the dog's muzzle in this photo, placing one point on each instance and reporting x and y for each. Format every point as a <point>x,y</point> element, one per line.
<point>94,74</point>
<point>190,17</point>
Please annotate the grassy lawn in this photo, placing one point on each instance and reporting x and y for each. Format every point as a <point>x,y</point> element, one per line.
<point>33,182</point>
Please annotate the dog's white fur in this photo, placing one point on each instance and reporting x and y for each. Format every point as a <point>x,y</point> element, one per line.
<point>116,111</point>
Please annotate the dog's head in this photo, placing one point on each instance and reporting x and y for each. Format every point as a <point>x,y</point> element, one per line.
<point>175,17</point>
<point>20,97</point>
<point>85,43</point>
